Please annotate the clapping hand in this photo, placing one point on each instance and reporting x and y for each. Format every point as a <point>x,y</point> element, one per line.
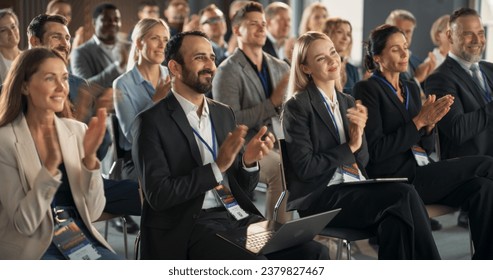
<point>162,89</point>
<point>231,147</point>
<point>357,116</point>
<point>53,153</point>
<point>433,111</point>
<point>93,138</point>
<point>257,148</point>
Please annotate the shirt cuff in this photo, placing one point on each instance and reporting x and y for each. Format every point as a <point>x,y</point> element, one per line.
<point>217,173</point>
<point>250,169</point>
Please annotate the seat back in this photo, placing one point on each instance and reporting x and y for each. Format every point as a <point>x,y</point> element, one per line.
<point>282,167</point>
<point>115,172</point>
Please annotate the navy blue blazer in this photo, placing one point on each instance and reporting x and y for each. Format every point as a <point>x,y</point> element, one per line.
<point>468,128</point>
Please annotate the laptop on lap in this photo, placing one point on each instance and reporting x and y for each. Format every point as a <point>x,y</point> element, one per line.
<point>268,236</point>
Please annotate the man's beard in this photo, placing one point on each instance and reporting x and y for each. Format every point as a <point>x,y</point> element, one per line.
<point>193,81</point>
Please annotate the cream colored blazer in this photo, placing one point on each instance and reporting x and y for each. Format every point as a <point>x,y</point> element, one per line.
<point>27,188</point>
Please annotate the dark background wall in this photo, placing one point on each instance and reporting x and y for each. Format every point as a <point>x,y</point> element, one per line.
<point>425,11</point>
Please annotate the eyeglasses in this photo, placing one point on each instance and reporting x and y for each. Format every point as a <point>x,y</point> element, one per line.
<point>213,20</point>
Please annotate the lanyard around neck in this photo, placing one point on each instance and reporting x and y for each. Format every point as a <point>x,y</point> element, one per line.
<point>212,149</point>
<point>392,88</point>
<point>333,118</point>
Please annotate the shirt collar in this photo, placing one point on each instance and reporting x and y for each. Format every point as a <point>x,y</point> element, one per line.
<point>465,64</point>
<point>334,101</point>
<point>101,44</point>
<point>139,79</point>
<point>189,107</point>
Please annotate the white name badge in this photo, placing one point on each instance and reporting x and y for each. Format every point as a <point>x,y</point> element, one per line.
<point>420,155</point>
<point>72,242</point>
<point>230,202</point>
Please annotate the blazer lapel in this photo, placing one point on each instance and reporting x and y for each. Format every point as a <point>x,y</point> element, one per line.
<point>466,79</point>
<point>343,106</point>
<point>27,155</point>
<point>181,120</point>
<point>220,130</point>
<point>392,96</point>
<point>319,106</point>
<point>251,75</point>
<point>71,158</point>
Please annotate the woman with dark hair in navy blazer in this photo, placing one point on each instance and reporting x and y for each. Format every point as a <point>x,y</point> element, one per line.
<point>400,133</point>
<point>326,148</point>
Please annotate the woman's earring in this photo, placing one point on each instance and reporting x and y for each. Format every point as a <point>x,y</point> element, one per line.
<point>309,76</point>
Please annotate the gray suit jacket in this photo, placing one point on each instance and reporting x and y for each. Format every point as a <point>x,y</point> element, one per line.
<point>90,62</point>
<point>237,85</point>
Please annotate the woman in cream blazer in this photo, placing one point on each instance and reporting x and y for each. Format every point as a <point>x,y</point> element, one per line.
<point>34,143</point>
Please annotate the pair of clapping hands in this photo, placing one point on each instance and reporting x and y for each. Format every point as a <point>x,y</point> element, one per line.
<point>259,146</point>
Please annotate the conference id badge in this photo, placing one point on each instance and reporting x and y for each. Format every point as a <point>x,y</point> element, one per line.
<point>72,242</point>
<point>420,155</point>
<point>230,202</point>
<point>350,173</point>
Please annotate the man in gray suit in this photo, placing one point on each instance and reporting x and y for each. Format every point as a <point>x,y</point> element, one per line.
<point>253,83</point>
<point>103,58</point>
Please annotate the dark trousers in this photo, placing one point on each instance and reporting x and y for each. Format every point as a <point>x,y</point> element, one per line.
<point>206,245</point>
<point>465,182</point>
<point>394,211</point>
<point>122,197</point>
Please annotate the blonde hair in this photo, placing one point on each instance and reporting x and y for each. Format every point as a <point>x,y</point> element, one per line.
<point>307,13</point>
<point>298,80</point>
<point>440,25</point>
<point>140,31</point>
<point>330,26</point>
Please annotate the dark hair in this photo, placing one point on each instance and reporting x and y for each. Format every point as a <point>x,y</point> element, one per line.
<point>37,26</point>
<point>166,3</point>
<point>172,51</point>
<point>243,11</point>
<point>462,12</point>
<point>12,100</point>
<point>101,8</point>
<point>376,43</point>
<point>146,3</point>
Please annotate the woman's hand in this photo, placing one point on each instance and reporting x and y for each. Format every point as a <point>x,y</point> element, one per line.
<point>93,138</point>
<point>433,111</point>
<point>54,154</point>
<point>162,89</point>
<point>357,116</point>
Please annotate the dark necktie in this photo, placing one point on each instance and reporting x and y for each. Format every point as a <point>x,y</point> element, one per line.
<point>476,76</point>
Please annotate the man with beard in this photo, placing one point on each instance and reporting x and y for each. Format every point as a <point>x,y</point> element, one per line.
<point>468,128</point>
<point>103,58</point>
<point>187,151</point>
<point>255,95</point>
<point>122,197</point>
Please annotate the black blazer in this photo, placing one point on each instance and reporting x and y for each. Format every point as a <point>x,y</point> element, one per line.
<point>173,178</point>
<point>468,128</point>
<point>313,145</point>
<point>390,130</point>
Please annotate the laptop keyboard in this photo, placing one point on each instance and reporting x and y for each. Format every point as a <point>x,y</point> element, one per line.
<point>256,241</point>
